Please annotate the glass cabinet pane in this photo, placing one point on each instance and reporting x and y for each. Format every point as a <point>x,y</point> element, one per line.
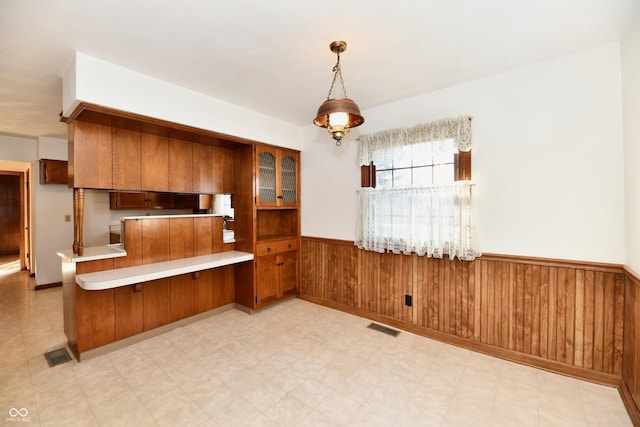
<point>267,190</point>
<point>289,180</point>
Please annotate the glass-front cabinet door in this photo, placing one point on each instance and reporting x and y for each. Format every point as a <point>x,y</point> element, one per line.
<point>289,175</point>
<point>267,174</point>
<point>277,177</point>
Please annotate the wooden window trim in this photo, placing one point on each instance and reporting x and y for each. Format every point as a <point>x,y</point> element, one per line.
<point>461,170</point>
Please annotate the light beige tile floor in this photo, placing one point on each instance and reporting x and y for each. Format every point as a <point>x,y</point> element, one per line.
<point>295,364</point>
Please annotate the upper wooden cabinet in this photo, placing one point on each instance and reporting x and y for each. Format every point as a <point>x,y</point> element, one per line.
<point>221,170</point>
<point>154,160</point>
<point>180,165</point>
<point>202,168</point>
<point>126,156</point>
<point>277,177</point>
<point>141,201</point>
<point>122,153</point>
<point>53,171</point>
<point>91,154</point>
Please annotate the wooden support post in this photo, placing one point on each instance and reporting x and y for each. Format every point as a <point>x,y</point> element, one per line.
<point>78,218</point>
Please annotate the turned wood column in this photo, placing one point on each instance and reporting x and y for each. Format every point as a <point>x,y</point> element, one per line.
<point>78,219</point>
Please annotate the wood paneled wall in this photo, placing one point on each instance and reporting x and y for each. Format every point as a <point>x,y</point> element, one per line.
<point>559,315</point>
<point>630,387</point>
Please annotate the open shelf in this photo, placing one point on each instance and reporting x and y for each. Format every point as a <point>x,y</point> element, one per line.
<point>277,223</point>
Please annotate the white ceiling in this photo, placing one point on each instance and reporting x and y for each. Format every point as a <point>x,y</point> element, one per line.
<point>273,56</point>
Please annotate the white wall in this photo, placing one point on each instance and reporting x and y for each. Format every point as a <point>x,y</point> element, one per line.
<point>547,159</point>
<point>630,63</point>
<point>95,81</point>
<point>52,202</point>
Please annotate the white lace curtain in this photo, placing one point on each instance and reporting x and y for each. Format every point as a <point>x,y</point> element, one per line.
<point>431,220</point>
<point>378,147</point>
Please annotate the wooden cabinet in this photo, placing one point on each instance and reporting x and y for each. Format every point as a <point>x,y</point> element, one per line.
<point>129,319</point>
<point>53,171</point>
<point>154,161</point>
<point>140,201</point>
<point>126,156</point>
<point>180,166</point>
<point>222,170</point>
<point>91,154</point>
<point>277,177</point>
<point>182,296</point>
<point>202,168</point>
<point>276,270</point>
<point>95,318</point>
<point>156,305</point>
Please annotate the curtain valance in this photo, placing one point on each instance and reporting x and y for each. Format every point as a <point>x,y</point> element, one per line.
<point>372,147</point>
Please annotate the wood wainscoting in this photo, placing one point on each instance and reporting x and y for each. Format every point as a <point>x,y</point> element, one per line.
<point>563,316</point>
<point>630,383</point>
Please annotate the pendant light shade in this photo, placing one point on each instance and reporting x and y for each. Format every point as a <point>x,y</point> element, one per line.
<point>338,115</point>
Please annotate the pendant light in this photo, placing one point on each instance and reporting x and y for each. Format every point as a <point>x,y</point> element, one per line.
<point>338,115</point>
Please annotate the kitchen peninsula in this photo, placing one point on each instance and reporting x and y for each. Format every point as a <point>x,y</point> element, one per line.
<point>174,269</point>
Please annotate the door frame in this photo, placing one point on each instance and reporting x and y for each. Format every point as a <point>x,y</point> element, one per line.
<point>25,217</point>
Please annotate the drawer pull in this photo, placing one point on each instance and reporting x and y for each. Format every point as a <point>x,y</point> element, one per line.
<point>289,245</point>
<point>268,250</point>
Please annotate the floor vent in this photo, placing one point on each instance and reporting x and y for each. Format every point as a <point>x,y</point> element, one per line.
<point>57,357</point>
<point>383,329</point>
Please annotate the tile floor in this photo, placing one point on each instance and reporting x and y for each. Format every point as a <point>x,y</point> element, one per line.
<point>295,364</point>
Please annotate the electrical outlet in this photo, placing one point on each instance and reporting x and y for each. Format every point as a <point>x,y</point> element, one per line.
<point>67,218</point>
<point>408,300</point>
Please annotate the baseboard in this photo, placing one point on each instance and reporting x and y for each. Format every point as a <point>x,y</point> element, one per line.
<point>47,286</point>
<point>629,403</point>
<point>602,378</point>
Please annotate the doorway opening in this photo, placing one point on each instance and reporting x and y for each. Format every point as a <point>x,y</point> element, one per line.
<point>15,244</point>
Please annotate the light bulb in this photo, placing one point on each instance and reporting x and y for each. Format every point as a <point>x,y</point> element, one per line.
<point>338,119</point>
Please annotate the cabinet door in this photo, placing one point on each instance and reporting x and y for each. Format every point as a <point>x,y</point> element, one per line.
<point>129,315</point>
<point>182,297</point>
<point>288,270</point>
<point>180,165</point>
<point>277,172</point>
<point>128,201</point>
<point>156,303</point>
<point>221,170</point>
<point>266,279</point>
<point>53,171</point>
<point>267,173</point>
<point>90,155</point>
<point>154,161</point>
<point>289,161</point>
<point>126,158</point>
<point>96,319</point>
<point>160,200</point>
<point>202,168</point>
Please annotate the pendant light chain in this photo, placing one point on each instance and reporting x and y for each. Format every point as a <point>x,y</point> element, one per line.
<point>337,71</point>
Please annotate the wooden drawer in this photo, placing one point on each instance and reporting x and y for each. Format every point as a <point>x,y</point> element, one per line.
<point>270,248</point>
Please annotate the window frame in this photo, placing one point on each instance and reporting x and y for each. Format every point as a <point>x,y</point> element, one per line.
<point>461,170</point>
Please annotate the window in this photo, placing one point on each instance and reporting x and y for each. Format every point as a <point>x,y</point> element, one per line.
<point>419,164</point>
<point>417,190</point>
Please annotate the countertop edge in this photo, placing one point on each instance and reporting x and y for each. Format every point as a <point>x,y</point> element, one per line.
<point>109,279</point>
